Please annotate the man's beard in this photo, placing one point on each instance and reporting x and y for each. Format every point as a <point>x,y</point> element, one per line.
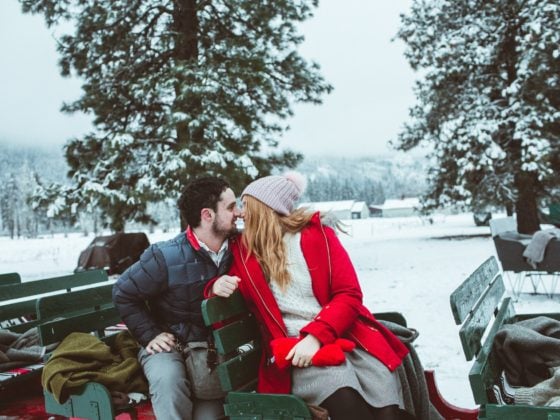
<point>223,233</point>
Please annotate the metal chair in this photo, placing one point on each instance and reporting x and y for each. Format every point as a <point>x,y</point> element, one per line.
<point>510,246</point>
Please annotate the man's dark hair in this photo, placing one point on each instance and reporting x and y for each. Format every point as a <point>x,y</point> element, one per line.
<point>199,194</point>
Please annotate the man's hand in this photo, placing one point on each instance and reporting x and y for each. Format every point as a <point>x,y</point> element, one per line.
<point>225,285</point>
<point>302,353</point>
<point>162,342</point>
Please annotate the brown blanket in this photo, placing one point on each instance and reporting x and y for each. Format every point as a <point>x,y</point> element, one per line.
<point>82,358</point>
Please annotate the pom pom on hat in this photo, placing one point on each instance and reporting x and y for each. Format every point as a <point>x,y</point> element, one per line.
<point>298,180</point>
<point>279,192</point>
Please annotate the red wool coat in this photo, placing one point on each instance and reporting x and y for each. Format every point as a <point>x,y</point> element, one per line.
<point>337,290</point>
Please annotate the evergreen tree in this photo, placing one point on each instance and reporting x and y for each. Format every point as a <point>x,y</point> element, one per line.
<point>10,205</point>
<point>179,88</point>
<point>488,100</point>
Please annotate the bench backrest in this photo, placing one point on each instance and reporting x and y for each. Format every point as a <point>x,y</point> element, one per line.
<point>88,310</point>
<point>505,224</point>
<point>237,340</point>
<point>24,310</point>
<point>474,304</point>
<point>9,278</point>
<point>478,307</point>
<point>53,284</point>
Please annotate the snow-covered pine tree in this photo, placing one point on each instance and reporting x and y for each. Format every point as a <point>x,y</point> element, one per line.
<point>178,88</point>
<point>488,100</point>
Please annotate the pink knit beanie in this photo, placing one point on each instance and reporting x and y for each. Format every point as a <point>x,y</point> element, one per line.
<point>279,192</point>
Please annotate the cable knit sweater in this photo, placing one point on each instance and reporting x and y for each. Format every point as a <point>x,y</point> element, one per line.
<point>297,303</point>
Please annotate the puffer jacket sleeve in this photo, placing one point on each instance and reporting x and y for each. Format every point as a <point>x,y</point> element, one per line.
<point>144,280</point>
<point>343,302</point>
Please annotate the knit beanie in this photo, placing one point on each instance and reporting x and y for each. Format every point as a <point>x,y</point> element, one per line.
<point>279,192</point>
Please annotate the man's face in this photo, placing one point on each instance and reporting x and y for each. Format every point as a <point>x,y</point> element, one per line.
<point>225,215</point>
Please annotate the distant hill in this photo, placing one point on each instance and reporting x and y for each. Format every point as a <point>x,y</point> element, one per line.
<point>48,163</point>
<point>372,179</point>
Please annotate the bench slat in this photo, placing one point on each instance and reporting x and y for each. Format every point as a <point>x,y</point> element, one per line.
<point>476,323</point>
<point>465,296</point>
<point>9,278</point>
<point>56,330</point>
<point>265,406</point>
<point>49,306</point>
<point>217,309</point>
<point>484,370</point>
<point>240,370</point>
<point>18,309</point>
<point>38,287</point>
<point>230,337</point>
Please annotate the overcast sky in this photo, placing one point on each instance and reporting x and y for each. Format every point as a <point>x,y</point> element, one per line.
<point>351,40</point>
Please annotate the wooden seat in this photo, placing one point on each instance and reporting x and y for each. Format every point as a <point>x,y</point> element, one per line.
<point>89,311</point>
<point>22,313</point>
<point>238,343</point>
<point>479,306</point>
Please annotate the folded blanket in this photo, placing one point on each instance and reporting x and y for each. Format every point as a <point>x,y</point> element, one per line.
<point>18,350</point>
<point>411,375</point>
<point>534,253</point>
<point>528,349</point>
<point>82,358</point>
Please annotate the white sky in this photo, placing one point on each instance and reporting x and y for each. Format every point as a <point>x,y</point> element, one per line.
<point>350,40</point>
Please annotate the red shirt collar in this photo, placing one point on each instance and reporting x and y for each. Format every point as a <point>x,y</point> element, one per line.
<point>192,238</point>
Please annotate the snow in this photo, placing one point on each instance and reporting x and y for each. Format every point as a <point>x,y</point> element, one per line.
<point>404,264</point>
<point>326,206</point>
<point>404,203</point>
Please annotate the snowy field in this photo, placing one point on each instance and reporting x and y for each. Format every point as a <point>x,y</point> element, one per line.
<point>404,264</point>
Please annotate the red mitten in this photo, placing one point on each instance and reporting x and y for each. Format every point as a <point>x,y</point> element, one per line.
<point>328,355</point>
<point>345,345</point>
<point>280,349</point>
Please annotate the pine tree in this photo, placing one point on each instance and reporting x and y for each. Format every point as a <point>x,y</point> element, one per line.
<point>488,101</point>
<point>179,88</point>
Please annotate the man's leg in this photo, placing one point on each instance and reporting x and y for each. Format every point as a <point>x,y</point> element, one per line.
<point>169,386</point>
<point>208,409</point>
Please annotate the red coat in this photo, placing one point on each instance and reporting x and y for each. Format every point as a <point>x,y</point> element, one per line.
<point>337,290</point>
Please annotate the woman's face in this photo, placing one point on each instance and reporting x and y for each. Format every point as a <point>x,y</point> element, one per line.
<point>243,208</point>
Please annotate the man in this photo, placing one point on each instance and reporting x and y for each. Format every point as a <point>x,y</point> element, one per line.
<point>159,297</point>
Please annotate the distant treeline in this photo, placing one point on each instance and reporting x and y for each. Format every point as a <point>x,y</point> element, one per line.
<point>24,169</point>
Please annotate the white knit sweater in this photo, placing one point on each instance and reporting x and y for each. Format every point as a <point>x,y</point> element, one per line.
<point>297,303</point>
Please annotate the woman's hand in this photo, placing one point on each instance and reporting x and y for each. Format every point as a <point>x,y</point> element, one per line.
<point>225,285</point>
<point>302,353</point>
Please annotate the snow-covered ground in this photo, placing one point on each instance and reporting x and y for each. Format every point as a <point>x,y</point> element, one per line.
<point>404,264</point>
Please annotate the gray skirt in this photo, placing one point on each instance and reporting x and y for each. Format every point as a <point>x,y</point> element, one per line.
<point>361,371</point>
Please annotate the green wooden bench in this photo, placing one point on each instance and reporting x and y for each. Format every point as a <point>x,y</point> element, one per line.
<point>23,296</point>
<point>479,306</point>
<point>237,341</point>
<point>57,316</point>
<point>89,311</point>
<point>9,278</point>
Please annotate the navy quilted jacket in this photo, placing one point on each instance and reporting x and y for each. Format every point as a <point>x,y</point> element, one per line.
<point>162,292</point>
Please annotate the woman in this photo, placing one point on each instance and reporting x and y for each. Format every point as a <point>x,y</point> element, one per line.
<point>299,282</point>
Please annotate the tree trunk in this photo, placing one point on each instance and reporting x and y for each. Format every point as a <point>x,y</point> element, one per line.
<point>526,203</point>
<point>509,209</point>
<point>185,24</point>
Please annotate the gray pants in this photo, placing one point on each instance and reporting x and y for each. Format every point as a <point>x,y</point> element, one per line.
<point>170,391</point>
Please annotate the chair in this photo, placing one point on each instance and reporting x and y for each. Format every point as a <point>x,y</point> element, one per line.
<point>510,246</point>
